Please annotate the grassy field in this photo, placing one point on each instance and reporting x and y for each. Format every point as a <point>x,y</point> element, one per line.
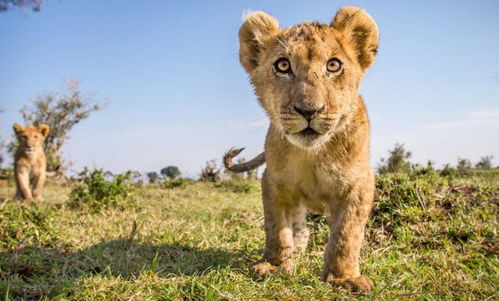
<point>429,237</point>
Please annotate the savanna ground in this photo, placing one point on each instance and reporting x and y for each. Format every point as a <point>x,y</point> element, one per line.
<point>429,237</point>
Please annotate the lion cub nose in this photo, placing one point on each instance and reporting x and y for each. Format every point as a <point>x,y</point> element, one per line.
<point>308,113</point>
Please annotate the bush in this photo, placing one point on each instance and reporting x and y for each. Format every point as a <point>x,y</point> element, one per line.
<point>97,193</point>
<point>397,162</point>
<point>175,183</point>
<point>484,163</point>
<point>463,165</point>
<point>238,185</point>
<point>211,172</point>
<point>448,171</point>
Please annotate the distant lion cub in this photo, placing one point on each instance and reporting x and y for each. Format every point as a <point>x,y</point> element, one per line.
<point>307,78</point>
<point>30,163</point>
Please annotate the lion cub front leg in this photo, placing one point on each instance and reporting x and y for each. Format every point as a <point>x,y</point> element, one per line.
<point>38,182</point>
<point>301,233</point>
<point>347,224</point>
<point>279,238</point>
<point>22,183</point>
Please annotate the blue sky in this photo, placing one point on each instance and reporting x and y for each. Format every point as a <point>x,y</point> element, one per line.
<point>178,95</point>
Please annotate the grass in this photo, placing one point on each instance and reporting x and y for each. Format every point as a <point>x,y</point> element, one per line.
<point>429,237</point>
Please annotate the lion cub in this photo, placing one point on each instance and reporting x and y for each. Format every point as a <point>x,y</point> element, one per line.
<point>29,161</point>
<point>307,79</point>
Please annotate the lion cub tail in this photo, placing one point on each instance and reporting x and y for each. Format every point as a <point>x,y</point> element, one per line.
<point>245,166</point>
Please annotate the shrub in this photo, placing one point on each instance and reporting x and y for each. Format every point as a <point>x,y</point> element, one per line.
<point>211,172</point>
<point>448,171</point>
<point>463,165</point>
<point>484,163</point>
<point>396,162</point>
<point>96,192</point>
<point>175,183</point>
<point>238,185</point>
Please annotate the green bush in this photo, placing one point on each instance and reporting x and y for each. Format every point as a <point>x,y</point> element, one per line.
<point>175,183</point>
<point>96,193</point>
<point>448,171</point>
<point>238,185</point>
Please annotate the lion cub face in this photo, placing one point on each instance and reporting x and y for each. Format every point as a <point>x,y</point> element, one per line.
<point>307,76</point>
<point>31,137</point>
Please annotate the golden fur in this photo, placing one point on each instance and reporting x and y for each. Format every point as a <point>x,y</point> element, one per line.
<point>29,161</point>
<point>307,79</point>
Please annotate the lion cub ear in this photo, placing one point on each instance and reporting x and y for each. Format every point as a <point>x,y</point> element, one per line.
<point>257,28</point>
<point>17,128</point>
<point>44,129</point>
<point>358,34</point>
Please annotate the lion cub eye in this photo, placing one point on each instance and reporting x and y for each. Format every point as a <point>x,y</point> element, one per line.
<point>282,65</point>
<point>333,65</point>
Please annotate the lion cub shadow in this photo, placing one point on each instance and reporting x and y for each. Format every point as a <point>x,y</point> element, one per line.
<point>126,258</point>
<point>59,269</point>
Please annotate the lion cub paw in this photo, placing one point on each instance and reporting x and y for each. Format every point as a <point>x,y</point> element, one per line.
<point>264,268</point>
<point>361,284</point>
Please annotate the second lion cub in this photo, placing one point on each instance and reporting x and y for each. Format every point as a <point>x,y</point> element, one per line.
<point>30,164</point>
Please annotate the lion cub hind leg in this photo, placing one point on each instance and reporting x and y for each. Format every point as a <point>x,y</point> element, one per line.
<point>341,257</point>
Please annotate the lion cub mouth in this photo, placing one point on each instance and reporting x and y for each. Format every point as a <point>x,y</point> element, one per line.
<point>309,132</point>
<point>29,150</point>
<point>307,138</point>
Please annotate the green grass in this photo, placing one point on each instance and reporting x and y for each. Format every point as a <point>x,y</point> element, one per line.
<point>429,238</point>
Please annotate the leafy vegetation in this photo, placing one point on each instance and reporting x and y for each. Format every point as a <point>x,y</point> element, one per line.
<point>153,177</point>
<point>170,172</point>
<point>175,183</point>
<point>35,5</point>
<point>484,163</point>
<point>96,192</point>
<point>211,172</point>
<point>397,161</point>
<point>429,237</point>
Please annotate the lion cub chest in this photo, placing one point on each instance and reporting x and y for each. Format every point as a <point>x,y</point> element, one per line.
<point>310,183</point>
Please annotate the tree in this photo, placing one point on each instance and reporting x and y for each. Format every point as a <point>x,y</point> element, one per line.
<point>2,146</point>
<point>153,177</point>
<point>484,163</point>
<point>61,111</point>
<point>170,172</point>
<point>397,161</point>
<point>463,165</point>
<point>35,5</point>
<point>211,172</point>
